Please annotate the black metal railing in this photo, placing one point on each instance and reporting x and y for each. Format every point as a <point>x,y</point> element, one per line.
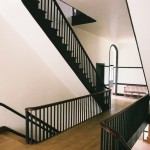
<point>64,30</point>
<point>12,110</point>
<point>35,121</point>
<point>4,128</point>
<point>124,124</point>
<point>114,140</point>
<point>61,115</point>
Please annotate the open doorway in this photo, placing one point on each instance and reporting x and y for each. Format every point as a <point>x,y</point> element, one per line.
<point>113,68</point>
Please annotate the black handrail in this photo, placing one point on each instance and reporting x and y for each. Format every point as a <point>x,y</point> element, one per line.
<point>125,123</point>
<point>62,115</point>
<point>34,121</point>
<point>64,101</point>
<point>7,129</point>
<point>12,110</point>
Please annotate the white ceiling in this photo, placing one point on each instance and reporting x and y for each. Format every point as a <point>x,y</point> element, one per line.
<point>112,19</point>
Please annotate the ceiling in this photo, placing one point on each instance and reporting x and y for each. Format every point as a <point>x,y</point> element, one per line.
<point>112,19</point>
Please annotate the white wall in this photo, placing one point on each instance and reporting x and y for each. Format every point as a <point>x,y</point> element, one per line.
<point>129,57</point>
<point>139,13</point>
<point>96,47</point>
<point>98,50</point>
<point>32,70</point>
<point>25,80</point>
<point>21,20</point>
<point>128,53</point>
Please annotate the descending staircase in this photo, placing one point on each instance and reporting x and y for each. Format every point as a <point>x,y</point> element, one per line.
<point>51,19</point>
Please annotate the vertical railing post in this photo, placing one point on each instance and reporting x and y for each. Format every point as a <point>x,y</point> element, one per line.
<point>27,127</point>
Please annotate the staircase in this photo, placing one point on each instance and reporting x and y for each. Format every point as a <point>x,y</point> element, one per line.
<point>51,19</point>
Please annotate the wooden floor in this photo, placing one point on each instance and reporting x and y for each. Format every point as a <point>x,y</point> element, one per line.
<point>85,136</point>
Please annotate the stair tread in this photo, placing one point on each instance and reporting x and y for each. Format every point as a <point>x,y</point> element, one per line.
<point>14,145</point>
<point>9,135</point>
<point>3,138</point>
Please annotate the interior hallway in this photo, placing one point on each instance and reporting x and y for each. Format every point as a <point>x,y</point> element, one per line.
<point>85,136</point>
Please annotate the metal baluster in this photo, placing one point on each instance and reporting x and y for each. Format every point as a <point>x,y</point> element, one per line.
<point>42,4</point>
<point>57,20</point>
<point>78,111</point>
<point>48,10</point>
<point>57,117</point>
<point>59,24</point>
<point>43,124</point>
<point>45,5</point>
<point>63,116</point>
<point>31,124</point>
<point>51,9</point>
<point>35,125</point>
<point>51,121</point>
<point>67,120</point>
<point>65,32</point>
<point>71,113</point>
<point>54,20</point>
<point>40,125</point>
<point>27,127</point>
<point>47,123</point>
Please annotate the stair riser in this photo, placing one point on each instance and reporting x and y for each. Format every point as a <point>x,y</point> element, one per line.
<point>33,4</point>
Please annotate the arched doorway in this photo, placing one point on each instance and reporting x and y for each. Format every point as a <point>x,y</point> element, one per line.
<point>113,68</point>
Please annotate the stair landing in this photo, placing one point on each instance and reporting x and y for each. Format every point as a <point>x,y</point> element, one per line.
<point>85,136</point>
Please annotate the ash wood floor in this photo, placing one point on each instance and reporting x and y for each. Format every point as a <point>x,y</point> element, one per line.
<point>85,136</point>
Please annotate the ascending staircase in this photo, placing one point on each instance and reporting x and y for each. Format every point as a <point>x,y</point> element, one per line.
<point>51,19</point>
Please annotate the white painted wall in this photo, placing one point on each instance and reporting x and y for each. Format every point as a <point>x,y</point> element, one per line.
<point>128,53</point>
<point>139,12</point>
<point>129,57</point>
<point>98,50</point>
<point>96,47</point>
<point>25,80</point>
<point>26,26</point>
<point>32,70</point>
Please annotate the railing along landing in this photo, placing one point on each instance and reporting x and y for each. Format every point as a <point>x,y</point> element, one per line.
<point>121,131</point>
<point>61,115</point>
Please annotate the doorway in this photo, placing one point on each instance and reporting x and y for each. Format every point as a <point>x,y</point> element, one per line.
<point>113,68</point>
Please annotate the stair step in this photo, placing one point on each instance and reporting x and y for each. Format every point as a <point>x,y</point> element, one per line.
<point>65,46</point>
<point>52,33</point>
<point>47,22</point>
<point>15,137</point>
<point>31,3</point>
<point>38,13</point>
